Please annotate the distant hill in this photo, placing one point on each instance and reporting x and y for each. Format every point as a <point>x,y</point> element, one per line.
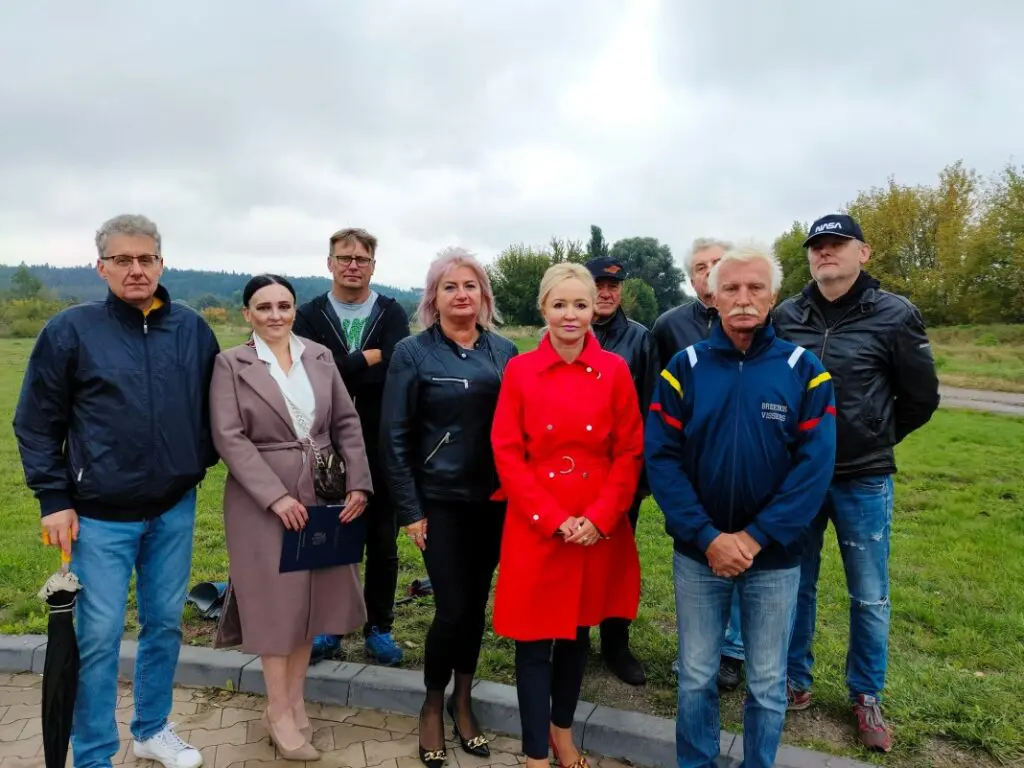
<point>198,287</point>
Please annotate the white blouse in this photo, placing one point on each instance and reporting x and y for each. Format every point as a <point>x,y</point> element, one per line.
<point>295,386</point>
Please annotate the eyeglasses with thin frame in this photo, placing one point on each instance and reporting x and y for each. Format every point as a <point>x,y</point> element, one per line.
<point>124,261</point>
<point>343,260</point>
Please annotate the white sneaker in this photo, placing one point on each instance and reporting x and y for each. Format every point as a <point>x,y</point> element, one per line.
<point>168,748</point>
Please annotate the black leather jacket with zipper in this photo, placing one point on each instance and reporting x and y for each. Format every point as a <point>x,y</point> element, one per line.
<point>435,432</point>
<point>882,369</point>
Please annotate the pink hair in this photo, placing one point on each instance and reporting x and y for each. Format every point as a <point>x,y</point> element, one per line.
<point>447,260</point>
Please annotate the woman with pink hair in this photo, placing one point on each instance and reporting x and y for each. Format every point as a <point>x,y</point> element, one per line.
<point>439,401</point>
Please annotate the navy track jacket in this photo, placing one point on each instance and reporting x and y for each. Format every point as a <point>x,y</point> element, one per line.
<point>742,442</point>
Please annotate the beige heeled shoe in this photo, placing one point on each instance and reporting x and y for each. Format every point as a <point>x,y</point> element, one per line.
<point>306,752</point>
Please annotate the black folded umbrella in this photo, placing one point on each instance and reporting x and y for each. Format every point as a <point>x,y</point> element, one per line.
<point>60,669</point>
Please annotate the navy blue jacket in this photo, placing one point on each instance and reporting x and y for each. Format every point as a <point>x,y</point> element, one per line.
<point>113,419</point>
<point>741,442</point>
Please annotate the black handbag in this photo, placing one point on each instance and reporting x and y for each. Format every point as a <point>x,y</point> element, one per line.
<point>329,478</point>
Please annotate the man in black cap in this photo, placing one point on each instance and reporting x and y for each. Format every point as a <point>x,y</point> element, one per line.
<point>631,341</point>
<point>874,344</point>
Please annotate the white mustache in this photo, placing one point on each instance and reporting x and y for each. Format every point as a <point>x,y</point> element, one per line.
<point>736,311</point>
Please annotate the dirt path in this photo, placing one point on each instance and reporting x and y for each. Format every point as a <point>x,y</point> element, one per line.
<point>982,400</point>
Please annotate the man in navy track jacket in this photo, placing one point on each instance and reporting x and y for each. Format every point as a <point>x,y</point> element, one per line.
<point>740,448</point>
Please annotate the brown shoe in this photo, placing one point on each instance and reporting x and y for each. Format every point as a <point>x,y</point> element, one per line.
<point>871,727</point>
<point>797,700</point>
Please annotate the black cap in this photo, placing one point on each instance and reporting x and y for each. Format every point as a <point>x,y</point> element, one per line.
<point>606,268</point>
<point>837,224</point>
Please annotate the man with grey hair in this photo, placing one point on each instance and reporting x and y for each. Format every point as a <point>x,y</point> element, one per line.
<point>114,433</point>
<point>740,445</point>
<point>675,330</point>
<point>689,323</point>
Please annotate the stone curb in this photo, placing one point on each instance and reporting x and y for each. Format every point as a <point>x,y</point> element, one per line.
<point>640,739</point>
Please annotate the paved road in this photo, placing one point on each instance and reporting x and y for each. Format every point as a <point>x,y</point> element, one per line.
<point>981,400</point>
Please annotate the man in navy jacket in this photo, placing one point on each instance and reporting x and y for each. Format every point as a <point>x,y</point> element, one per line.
<point>740,449</point>
<point>114,433</point>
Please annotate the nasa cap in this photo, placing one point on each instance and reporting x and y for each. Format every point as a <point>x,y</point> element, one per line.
<point>837,224</point>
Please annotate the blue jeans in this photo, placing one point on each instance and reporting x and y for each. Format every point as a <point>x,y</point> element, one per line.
<point>767,606</point>
<point>733,646</point>
<point>861,511</point>
<point>103,558</point>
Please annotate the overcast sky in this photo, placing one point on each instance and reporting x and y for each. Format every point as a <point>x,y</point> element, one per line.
<point>250,132</point>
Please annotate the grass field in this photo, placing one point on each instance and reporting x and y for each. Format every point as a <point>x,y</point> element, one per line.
<point>957,651</point>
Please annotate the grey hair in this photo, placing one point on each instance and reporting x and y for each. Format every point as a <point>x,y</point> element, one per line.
<point>134,224</point>
<point>746,254</point>
<point>702,244</point>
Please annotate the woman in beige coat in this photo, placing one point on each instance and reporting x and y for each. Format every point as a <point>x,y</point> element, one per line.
<point>269,399</point>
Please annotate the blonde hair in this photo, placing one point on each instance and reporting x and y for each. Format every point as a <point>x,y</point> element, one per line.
<point>559,273</point>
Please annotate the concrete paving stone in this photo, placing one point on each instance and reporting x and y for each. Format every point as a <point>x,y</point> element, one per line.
<point>231,715</point>
<point>206,716</point>
<point>642,738</point>
<point>25,762</point>
<point>11,695</point>
<point>345,735</point>
<point>351,756</point>
<point>237,735</point>
<point>210,667</point>
<point>229,754</point>
<point>459,759</point>
<point>379,751</point>
<point>21,747</point>
<point>17,652</point>
<point>18,712</point>
<point>12,731</point>
<point>25,680</point>
<point>330,712</point>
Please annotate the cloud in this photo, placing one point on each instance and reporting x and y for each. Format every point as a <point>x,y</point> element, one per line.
<point>251,130</point>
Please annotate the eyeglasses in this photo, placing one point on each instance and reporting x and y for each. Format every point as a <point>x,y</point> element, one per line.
<point>124,261</point>
<point>362,261</point>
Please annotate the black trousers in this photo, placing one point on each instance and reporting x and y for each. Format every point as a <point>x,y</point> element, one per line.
<point>463,544</point>
<point>380,568</point>
<point>615,632</point>
<point>549,675</point>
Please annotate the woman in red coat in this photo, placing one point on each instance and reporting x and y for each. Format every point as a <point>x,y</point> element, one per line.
<point>568,446</point>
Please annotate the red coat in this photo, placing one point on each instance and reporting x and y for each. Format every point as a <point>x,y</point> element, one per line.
<point>568,441</point>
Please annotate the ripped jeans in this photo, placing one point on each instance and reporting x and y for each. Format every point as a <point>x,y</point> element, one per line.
<point>861,512</point>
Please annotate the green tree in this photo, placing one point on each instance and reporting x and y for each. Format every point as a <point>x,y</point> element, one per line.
<point>568,250</point>
<point>597,247</point>
<point>515,279</point>
<point>792,255</point>
<point>25,285</point>
<point>648,260</point>
<point>639,302</point>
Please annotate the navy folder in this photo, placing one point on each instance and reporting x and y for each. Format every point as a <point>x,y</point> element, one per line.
<point>325,542</point>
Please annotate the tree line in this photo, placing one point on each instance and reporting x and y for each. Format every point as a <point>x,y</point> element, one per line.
<point>955,248</point>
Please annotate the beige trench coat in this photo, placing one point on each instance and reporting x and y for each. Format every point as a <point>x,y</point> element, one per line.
<point>265,611</point>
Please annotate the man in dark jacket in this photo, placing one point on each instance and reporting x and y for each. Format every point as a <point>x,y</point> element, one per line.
<point>361,328</point>
<point>635,344</point>
<point>674,331</point>
<point>689,323</point>
<point>874,344</point>
<point>740,446</point>
<point>114,433</point>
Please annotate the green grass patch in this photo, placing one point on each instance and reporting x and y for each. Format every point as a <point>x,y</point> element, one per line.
<point>957,650</point>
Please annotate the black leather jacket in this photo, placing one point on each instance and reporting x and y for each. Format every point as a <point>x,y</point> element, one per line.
<point>680,327</point>
<point>882,369</point>
<point>633,343</point>
<point>435,432</point>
